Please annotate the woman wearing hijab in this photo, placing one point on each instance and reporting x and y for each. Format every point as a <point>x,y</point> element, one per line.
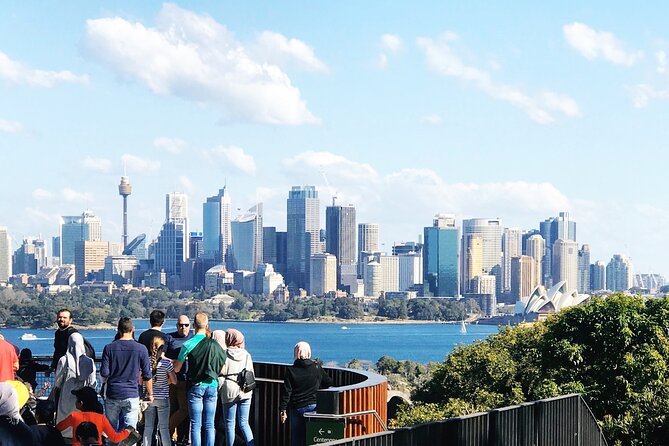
<point>13,431</point>
<point>236,404</point>
<point>300,385</point>
<point>219,425</point>
<point>74,371</point>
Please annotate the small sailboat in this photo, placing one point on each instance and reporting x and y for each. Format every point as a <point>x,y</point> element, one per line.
<point>28,337</point>
<point>344,327</point>
<point>463,327</point>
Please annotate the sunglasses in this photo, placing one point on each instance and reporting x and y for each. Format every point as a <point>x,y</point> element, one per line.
<point>183,325</point>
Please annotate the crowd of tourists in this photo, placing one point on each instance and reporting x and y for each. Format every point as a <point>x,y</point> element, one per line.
<point>191,387</point>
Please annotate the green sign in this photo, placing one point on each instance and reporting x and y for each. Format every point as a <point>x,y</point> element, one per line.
<point>322,431</point>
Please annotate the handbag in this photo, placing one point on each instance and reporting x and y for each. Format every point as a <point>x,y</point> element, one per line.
<point>246,380</point>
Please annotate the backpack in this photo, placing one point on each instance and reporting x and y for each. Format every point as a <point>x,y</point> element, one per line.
<point>246,380</point>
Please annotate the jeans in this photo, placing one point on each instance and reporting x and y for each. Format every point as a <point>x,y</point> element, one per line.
<point>160,409</point>
<point>202,409</point>
<point>240,410</point>
<point>298,425</point>
<point>122,413</point>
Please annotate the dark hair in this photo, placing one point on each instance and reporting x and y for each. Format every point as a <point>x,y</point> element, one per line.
<point>26,354</point>
<point>64,309</point>
<point>157,318</point>
<point>87,430</point>
<point>45,411</point>
<point>125,325</point>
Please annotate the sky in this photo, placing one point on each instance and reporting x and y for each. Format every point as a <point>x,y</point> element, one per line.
<point>403,109</point>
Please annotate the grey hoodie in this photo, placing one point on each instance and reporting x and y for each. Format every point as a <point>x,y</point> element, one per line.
<point>236,360</point>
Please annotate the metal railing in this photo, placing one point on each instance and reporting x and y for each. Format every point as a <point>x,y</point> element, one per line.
<point>561,421</point>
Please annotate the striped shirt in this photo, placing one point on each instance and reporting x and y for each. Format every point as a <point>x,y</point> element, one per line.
<point>161,388</point>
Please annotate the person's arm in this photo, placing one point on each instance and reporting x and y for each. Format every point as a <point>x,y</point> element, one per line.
<point>66,422</point>
<point>55,358</point>
<point>286,391</point>
<point>183,353</point>
<point>147,373</point>
<point>326,381</point>
<point>109,431</point>
<point>171,376</point>
<point>104,365</point>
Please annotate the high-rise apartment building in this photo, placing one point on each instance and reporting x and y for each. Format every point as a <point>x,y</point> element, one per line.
<point>511,247</point>
<point>368,241</point>
<point>474,260</point>
<point>584,269</point>
<point>77,228</point>
<point>373,279</point>
<point>303,230</point>
<point>5,255</point>
<point>490,231</point>
<point>523,280</point>
<point>441,257</point>
<point>246,252</point>
<point>89,257</point>
<point>535,247</point>
<point>565,263</point>
<point>410,270</point>
<point>619,273</point>
<point>553,229</point>
<point>598,276</point>
<point>323,274</point>
<point>340,241</point>
<point>216,226</point>
<point>390,273</point>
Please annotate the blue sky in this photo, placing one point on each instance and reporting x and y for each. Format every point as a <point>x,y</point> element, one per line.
<point>408,109</point>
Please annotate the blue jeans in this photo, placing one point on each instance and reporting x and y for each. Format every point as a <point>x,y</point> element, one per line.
<point>202,409</point>
<point>298,425</point>
<point>157,409</point>
<point>122,413</point>
<point>240,410</point>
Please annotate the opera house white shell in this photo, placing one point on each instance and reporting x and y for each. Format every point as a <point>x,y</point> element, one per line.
<point>542,302</point>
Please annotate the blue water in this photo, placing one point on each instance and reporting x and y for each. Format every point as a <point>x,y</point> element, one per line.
<point>273,342</point>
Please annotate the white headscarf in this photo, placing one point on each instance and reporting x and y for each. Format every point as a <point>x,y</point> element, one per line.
<point>9,401</point>
<point>75,359</point>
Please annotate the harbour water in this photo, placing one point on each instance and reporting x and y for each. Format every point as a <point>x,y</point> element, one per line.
<point>332,343</point>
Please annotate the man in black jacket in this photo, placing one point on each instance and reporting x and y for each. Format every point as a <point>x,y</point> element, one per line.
<point>60,338</point>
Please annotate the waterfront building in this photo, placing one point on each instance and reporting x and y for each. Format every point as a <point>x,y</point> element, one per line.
<point>565,263</point>
<point>535,247</point>
<point>523,276</point>
<point>267,279</point>
<point>511,247</point>
<point>77,228</point>
<point>441,257</point>
<point>323,274</point>
<point>474,260</point>
<point>584,269</point>
<point>89,258</point>
<point>553,229</point>
<point>484,288</point>
<point>390,273</point>
<point>303,234</point>
<point>340,241</point>
<point>372,280</point>
<point>368,241</point>
<point>410,270</point>
<point>247,237</point>
<point>216,226</point>
<point>598,276</point>
<point>490,231</point>
<point>5,255</point>
<point>619,273</point>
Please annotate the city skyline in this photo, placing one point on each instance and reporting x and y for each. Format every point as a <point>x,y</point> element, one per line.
<point>402,118</point>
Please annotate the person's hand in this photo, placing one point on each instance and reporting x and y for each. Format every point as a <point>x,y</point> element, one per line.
<point>47,373</point>
<point>149,397</point>
<point>284,416</point>
<point>130,429</point>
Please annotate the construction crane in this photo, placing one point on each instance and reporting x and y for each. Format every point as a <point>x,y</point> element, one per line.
<point>333,192</point>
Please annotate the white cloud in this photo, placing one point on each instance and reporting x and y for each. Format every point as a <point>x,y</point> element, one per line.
<point>171,145</point>
<point>39,216</point>
<point>329,163</point>
<point>96,164</point>
<point>10,126</point>
<point>277,49</point>
<point>140,165</point>
<point>233,156</point>
<point>594,44</point>
<point>193,57</point>
<point>72,195</point>
<point>19,74</point>
<point>42,194</point>
<point>186,183</point>
<point>432,119</point>
<point>391,43</point>
<point>642,94</point>
<point>442,58</point>
<point>661,57</point>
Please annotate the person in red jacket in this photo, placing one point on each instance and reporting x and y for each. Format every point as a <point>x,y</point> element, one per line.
<point>91,410</point>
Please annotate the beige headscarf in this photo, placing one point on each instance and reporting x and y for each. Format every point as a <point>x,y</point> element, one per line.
<point>234,338</point>
<point>219,336</point>
<point>302,350</point>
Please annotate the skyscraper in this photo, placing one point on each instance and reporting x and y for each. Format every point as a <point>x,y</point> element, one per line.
<point>552,229</point>
<point>598,276</point>
<point>216,226</point>
<point>247,240</point>
<point>171,249</point>
<point>490,231</point>
<point>619,273</point>
<point>410,270</point>
<point>340,241</point>
<point>535,247</point>
<point>584,269</point>
<point>89,257</point>
<point>5,255</point>
<point>323,274</point>
<point>511,247</point>
<point>368,241</point>
<point>75,229</point>
<point>523,280</point>
<point>30,258</point>
<point>303,228</point>
<point>441,257</point>
<point>565,263</point>
<point>474,260</point>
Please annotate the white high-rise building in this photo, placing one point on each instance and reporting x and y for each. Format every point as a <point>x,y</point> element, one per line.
<point>373,279</point>
<point>323,274</point>
<point>176,206</point>
<point>246,250</point>
<point>216,225</point>
<point>512,241</point>
<point>368,241</point>
<point>390,273</point>
<point>77,228</point>
<point>5,255</point>
<point>490,231</point>
<point>619,273</point>
<point>535,247</point>
<point>565,263</point>
<point>410,270</point>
